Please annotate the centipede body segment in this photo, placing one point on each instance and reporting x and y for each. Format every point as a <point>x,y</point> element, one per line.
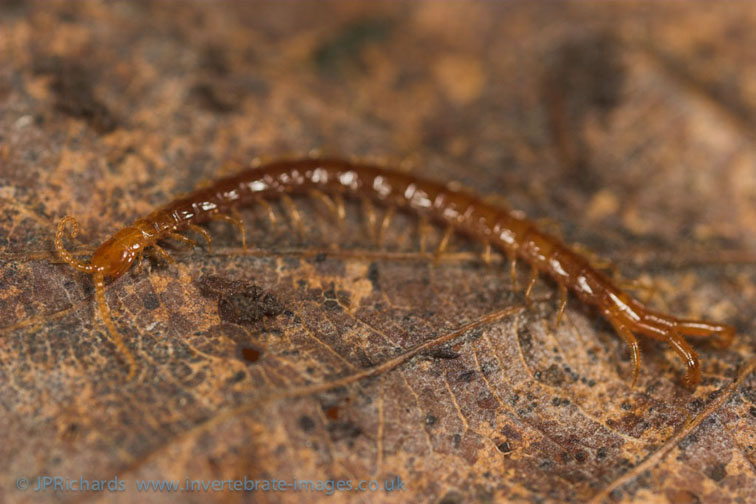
<point>331,180</point>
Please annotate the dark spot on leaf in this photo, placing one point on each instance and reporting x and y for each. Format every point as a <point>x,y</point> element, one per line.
<point>306,423</point>
<point>213,98</point>
<point>601,453</point>
<point>443,353</point>
<point>487,402</point>
<point>466,377</point>
<point>451,497</point>
<point>585,75</point>
<point>73,86</point>
<point>249,353</point>
<point>332,305</point>
<point>373,276</point>
<point>240,301</point>
<point>71,432</point>
<point>320,257</point>
<point>716,472</point>
<point>504,447</point>
<point>753,411</point>
<point>687,441</point>
<point>456,440</point>
<point>330,293</point>
<point>580,456</point>
<point>332,412</point>
<point>151,301</point>
<point>510,433</point>
<point>343,51</point>
<point>247,307</point>
<point>682,497</point>
<point>343,430</point>
<point>626,406</point>
<point>697,404</point>
<point>430,420</point>
<point>238,376</point>
<point>553,376</point>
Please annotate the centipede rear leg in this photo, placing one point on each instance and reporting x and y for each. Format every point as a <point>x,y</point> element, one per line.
<point>689,356</point>
<point>627,335</point>
<point>720,335</point>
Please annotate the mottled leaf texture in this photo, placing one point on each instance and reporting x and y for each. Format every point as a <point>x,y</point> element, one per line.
<point>626,127</point>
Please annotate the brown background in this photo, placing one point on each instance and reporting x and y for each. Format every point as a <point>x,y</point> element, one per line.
<point>628,125</point>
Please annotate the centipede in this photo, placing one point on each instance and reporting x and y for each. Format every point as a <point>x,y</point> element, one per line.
<point>456,210</point>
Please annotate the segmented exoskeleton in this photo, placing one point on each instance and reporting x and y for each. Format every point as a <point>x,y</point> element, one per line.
<point>330,180</point>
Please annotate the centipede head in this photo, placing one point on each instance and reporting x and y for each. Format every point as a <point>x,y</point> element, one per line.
<point>115,256</point>
<point>112,259</point>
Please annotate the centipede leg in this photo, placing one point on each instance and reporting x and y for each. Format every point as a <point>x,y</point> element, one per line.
<point>487,254</point>
<point>294,215</point>
<point>102,308</point>
<point>562,304</point>
<point>369,211</point>
<point>139,260</point>
<point>323,198</point>
<point>721,334</point>
<point>630,339</point>
<point>160,253</point>
<point>269,210</point>
<point>689,356</point>
<point>183,239</point>
<point>340,210</point>
<point>443,244</point>
<point>512,258</point>
<point>422,229</point>
<point>385,223</point>
<point>205,235</point>
<point>531,283</point>
<point>236,220</point>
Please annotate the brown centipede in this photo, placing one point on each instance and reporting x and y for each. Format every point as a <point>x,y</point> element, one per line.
<point>330,180</point>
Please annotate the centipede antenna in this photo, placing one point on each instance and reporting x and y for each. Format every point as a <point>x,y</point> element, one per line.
<point>62,252</point>
<point>102,308</point>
